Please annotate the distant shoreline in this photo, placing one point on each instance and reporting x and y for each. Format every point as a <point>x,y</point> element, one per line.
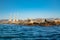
<point>32,22</point>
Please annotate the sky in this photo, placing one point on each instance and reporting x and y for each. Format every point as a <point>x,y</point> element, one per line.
<point>22,9</point>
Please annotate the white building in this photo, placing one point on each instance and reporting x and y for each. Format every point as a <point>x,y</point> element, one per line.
<point>56,21</point>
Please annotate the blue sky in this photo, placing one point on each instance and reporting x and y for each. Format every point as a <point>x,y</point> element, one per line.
<point>23,9</point>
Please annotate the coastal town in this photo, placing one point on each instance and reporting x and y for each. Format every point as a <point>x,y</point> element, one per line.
<point>29,21</point>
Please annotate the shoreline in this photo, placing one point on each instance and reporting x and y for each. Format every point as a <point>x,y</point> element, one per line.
<point>42,24</point>
<point>33,22</point>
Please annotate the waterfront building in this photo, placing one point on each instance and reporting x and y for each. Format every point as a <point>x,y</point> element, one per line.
<point>30,20</point>
<point>56,21</point>
<point>13,20</point>
<point>39,20</point>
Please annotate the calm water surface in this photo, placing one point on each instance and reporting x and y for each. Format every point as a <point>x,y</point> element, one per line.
<point>20,32</point>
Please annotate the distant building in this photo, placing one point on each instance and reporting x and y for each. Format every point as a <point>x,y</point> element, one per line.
<point>13,20</point>
<point>30,20</point>
<point>10,20</point>
<point>56,21</point>
<point>39,20</point>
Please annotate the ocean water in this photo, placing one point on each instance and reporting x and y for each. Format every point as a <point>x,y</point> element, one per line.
<point>20,32</point>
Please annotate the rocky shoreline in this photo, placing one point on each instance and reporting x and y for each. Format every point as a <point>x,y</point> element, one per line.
<point>41,24</point>
<point>33,22</point>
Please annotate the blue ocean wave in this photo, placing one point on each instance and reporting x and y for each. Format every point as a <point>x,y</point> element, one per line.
<point>20,32</point>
